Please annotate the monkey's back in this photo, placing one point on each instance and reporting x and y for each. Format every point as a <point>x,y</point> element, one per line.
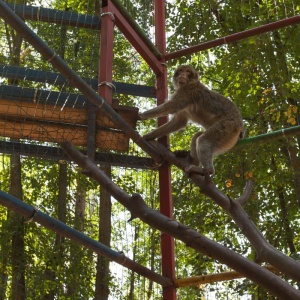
<point>206,107</point>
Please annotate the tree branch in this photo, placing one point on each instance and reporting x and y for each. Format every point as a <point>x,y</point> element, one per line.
<point>264,250</point>
<point>190,237</point>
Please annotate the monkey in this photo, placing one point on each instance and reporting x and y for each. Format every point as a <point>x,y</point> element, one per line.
<point>193,101</point>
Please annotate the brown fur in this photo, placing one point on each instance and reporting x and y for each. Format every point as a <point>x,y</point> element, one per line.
<point>193,101</point>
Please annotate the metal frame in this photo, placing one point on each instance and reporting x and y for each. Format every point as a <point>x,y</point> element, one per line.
<point>115,14</point>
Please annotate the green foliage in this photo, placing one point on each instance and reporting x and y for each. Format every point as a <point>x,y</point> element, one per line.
<point>260,74</point>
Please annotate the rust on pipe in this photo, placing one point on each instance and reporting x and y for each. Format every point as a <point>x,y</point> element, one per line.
<point>234,37</point>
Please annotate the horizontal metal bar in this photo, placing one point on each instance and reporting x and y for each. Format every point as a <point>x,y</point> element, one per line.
<point>55,16</point>
<point>32,214</point>
<point>57,153</point>
<point>234,37</point>
<point>19,73</point>
<point>281,133</point>
<point>10,92</point>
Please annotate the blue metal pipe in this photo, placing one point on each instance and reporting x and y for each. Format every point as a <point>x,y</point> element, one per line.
<point>32,214</point>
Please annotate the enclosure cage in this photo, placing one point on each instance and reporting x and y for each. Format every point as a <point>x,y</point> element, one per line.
<point>73,78</point>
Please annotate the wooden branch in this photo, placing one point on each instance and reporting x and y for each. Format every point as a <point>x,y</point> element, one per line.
<point>264,251</point>
<point>212,278</point>
<point>193,239</point>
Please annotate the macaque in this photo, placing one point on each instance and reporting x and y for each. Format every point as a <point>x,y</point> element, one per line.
<point>193,101</point>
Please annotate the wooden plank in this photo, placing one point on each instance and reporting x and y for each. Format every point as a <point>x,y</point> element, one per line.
<point>47,116</point>
<point>20,110</point>
<point>49,123</point>
<point>19,73</point>
<point>54,133</point>
<point>42,132</point>
<point>128,113</point>
<point>55,16</point>
<point>17,110</point>
<point>111,140</point>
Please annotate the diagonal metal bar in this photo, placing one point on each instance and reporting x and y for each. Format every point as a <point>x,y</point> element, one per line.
<point>19,25</point>
<point>139,31</point>
<point>135,38</point>
<point>32,214</point>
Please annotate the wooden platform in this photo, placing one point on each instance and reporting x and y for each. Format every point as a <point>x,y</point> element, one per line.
<point>44,120</point>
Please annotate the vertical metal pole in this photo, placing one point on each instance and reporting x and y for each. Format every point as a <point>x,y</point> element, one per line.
<point>165,191</point>
<point>106,52</point>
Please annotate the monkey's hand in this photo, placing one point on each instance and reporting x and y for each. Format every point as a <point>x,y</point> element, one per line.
<point>181,153</point>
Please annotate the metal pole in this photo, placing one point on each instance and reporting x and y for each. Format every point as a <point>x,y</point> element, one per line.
<point>105,87</point>
<point>32,214</point>
<point>165,189</point>
<point>281,133</point>
<point>137,28</point>
<point>234,37</point>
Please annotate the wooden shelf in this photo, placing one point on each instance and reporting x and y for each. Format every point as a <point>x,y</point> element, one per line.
<point>40,121</point>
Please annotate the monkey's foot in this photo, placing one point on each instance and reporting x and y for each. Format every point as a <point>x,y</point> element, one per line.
<point>181,153</point>
<point>198,170</point>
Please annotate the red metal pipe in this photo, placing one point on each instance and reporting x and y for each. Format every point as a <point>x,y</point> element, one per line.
<point>165,190</point>
<point>136,41</point>
<point>234,37</point>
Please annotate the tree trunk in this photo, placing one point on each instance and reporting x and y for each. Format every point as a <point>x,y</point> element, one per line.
<point>153,242</point>
<point>50,272</point>
<point>103,274</point>
<point>15,41</point>
<point>293,154</point>
<point>17,232</point>
<point>75,251</point>
<point>131,289</point>
<point>5,238</point>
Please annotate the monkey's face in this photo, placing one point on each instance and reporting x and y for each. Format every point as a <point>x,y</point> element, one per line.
<point>183,75</point>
